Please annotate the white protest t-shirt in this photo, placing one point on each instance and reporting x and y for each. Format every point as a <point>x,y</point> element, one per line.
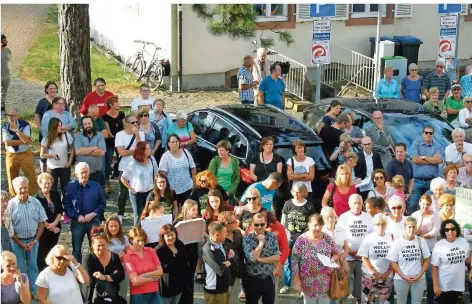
<point>339,236</point>
<point>356,227</point>
<point>123,139</point>
<point>139,101</point>
<point>395,228</point>
<point>408,255</point>
<point>301,168</point>
<point>375,248</point>
<point>450,258</point>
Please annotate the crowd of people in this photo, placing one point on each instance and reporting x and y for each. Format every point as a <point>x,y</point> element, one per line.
<point>388,222</point>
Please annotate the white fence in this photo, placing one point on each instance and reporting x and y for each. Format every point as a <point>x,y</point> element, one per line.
<point>295,79</point>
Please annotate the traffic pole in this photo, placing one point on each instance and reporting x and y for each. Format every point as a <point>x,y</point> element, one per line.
<point>458,16</point>
<point>318,83</point>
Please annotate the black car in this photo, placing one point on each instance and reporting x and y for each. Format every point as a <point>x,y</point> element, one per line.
<point>244,126</point>
<point>406,118</point>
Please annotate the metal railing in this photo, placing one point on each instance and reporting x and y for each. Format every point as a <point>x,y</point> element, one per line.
<point>295,79</point>
<point>348,68</point>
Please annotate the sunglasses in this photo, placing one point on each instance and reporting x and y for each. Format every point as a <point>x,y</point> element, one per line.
<point>203,181</point>
<point>450,229</point>
<point>428,133</point>
<point>98,233</point>
<point>60,258</point>
<point>132,122</point>
<point>396,208</point>
<point>468,101</point>
<point>144,115</point>
<point>259,225</point>
<point>378,178</point>
<point>468,162</point>
<point>414,70</point>
<point>251,198</point>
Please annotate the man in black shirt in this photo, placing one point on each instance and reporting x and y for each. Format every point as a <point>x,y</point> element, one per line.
<point>330,134</point>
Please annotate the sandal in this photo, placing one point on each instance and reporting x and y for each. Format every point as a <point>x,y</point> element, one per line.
<point>242,297</point>
<point>199,278</point>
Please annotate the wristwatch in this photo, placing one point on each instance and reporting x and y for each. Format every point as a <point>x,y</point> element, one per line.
<point>423,157</point>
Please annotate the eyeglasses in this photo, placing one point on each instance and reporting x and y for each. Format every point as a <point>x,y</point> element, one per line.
<point>457,89</point>
<point>468,101</point>
<point>60,258</point>
<point>378,178</point>
<point>251,198</point>
<point>132,122</point>
<point>202,181</point>
<point>468,162</point>
<point>428,133</point>
<point>367,144</point>
<point>380,224</point>
<point>144,115</point>
<point>396,208</point>
<point>260,225</point>
<point>450,229</point>
<point>12,115</point>
<point>439,66</point>
<point>414,70</point>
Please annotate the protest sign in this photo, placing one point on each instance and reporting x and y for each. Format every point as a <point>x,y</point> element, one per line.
<point>463,208</point>
<point>191,231</point>
<point>152,226</point>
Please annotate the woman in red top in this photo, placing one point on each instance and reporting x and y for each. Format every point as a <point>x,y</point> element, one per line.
<point>143,268</point>
<point>343,189</point>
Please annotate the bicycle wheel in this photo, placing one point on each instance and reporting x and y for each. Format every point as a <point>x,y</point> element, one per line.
<point>155,78</point>
<point>133,68</point>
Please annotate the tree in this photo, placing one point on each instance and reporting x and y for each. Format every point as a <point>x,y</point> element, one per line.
<point>74,40</point>
<point>238,21</point>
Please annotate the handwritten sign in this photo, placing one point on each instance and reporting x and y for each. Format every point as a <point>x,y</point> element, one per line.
<point>153,226</point>
<point>191,231</point>
<point>463,208</point>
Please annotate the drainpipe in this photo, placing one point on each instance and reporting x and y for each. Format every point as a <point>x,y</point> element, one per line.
<point>377,53</point>
<point>179,84</point>
<point>174,48</point>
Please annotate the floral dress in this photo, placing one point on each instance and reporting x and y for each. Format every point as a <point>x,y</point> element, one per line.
<point>314,277</point>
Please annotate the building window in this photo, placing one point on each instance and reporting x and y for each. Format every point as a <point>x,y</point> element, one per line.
<point>367,10</point>
<point>271,12</point>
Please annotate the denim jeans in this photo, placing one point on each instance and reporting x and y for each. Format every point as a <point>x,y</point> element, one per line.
<point>64,175</point>
<point>122,196</point>
<point>429,285</point>
<point>27,261</point>
<point>419,188</point>
<point>171,300</point>
<point>78,231</point>
<point>288,267</point>
<point>416,289</point>
<point>145,298</point>
<point>108,160</point>
<point>138,201</point>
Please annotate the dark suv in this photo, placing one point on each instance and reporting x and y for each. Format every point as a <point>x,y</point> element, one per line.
<point>244,126</point>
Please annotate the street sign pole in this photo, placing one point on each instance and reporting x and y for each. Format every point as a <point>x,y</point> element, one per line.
<point>457,35</point>
<point>318,83</point>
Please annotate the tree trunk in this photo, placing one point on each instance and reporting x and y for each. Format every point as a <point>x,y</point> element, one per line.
<point>74,40</point>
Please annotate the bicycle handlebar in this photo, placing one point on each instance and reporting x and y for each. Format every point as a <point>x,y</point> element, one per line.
<point>146,42</point>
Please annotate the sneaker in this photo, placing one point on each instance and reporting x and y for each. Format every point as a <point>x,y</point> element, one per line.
<point>121,218</point>
<point>284,289</point>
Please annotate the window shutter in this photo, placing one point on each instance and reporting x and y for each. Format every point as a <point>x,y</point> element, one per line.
<point>465,9</point>
<point>403,11</point>
<point>303,12</point>
<point>341,12</point>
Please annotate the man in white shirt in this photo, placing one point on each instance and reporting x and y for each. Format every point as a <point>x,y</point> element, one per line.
<point>455,151</point>
<point>144,100</point>
<point>465,118</point>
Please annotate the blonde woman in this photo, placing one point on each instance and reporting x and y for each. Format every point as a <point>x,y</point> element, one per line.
<point>15,285</point>
<point>446,205</point>
<point>434,104</point>
<point>345,146</point>
<point>337,232</point>
<point>387,87</point>
<point>395,220</point>
<point>338,193</point>
<point>58,283</point>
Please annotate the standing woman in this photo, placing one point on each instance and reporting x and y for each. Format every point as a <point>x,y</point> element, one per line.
<point>409,257</point>
<point>15,285</point>
<point>138,177</point>
<point>301,169</point>
<point>396,220</point>
<point>59,282</point>
<point>226,169</point>
<point>214,206</point>
<point>152,135</point>
<point>143,268</point>
<point>178,165</point>
<point>253,204</point>
<point>338,234</point>
<point>309,274</point>
<point>183,129</point>
<point>163,122</point>
<point>204,182</point>
<point>437,188</point>
<point>104,267</point>
<point>164,195</point>
<point>448,260</point>
<point>52,204</point>
<point>266,161</point>
<point>174,258</point>
<point>411,84</point>
<point>59,111</point>
<point>55,147</point>
<point>330,117</point>
<point>114,121</point>
<point>337,194</point>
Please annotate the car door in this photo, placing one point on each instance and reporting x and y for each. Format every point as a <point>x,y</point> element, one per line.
<point>202,151</point>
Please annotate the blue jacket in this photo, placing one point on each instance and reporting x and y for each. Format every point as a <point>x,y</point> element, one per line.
<point>387,90</point>
<point>80,200</point>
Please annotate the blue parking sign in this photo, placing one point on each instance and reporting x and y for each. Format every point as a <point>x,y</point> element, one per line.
<point>449,8</point>
<point>322,10</point>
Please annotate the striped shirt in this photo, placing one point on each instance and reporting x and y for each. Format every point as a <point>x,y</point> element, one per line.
<point>245,77</point>
<point>23,219</point>
<point>442,83</point>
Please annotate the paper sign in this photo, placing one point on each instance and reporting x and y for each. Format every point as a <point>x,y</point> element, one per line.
<point>326,261</point>
<point>153,226</point>
<point>191,231</point>
<point>448,21</point>
<point>321,25</point>
<point>463,207</point>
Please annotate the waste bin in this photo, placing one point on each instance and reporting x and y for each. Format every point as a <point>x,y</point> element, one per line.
<point>410,47</point>
<point>372,44</point>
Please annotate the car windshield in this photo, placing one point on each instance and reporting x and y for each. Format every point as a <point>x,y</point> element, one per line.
<point>315,152</point>
<point>407,128</point>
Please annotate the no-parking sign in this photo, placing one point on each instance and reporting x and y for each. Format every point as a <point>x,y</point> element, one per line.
<point>320,52</point>
<point>447,42</point>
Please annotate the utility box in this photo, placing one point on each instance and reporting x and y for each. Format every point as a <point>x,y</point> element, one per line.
<point>399,65</point>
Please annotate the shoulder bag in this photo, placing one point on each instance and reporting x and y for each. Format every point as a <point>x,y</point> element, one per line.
<point>339,285</point>
<point>116,172</point>
<point>331,197</point>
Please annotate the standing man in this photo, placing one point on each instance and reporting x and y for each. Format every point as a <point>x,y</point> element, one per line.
<point>98,122</point>
<point>272,88</point>
<point>246,84</point>
<point>144,100</point>
<point>330,134</point>
<point>455,151</point>
<point>90,148</point>
<point>25,219</point>
<point>465,118</point>
<point>368,162</point>
<point>16,134</point>
<point>6,74</point>
<point>426,156</point>
<point>84,204</point>
<point>439,79</point>
<point>125,143</point>
<point>401,166</point>
<point>262,253</point>
<point>261,68</point>
<point>97,97</point>
<point>381,136</point>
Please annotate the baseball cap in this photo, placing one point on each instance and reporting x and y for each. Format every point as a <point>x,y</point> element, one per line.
<point>456,86</point>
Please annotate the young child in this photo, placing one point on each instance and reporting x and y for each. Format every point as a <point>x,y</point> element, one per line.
<point>398,183</point>
<point>154,209</point>
<point>446,205</point>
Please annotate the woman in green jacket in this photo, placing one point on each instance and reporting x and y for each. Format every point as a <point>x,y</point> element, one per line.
<point>435,105</point>
<point>226,169</point>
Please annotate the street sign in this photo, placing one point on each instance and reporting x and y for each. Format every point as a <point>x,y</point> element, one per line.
<point>320,52</point>
<point>322,25</point>
<point>449,8</point>
<point>447,42</point>
<point>448,21</point>
<point>322,10</point>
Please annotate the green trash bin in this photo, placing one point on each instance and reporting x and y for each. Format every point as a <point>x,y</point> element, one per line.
<point>410,47</point>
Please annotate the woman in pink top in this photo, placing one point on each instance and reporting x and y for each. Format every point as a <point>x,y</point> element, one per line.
<point>143,268</point>
<point>343,188</point>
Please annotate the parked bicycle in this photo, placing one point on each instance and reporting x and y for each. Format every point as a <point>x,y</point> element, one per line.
<point>137,69</point>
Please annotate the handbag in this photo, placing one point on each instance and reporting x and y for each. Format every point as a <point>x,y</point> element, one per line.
<point>245,175</point>
<point>116,172</point>
<point>331,196</point>
<point>339,284</point>
<point>68,152</point>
